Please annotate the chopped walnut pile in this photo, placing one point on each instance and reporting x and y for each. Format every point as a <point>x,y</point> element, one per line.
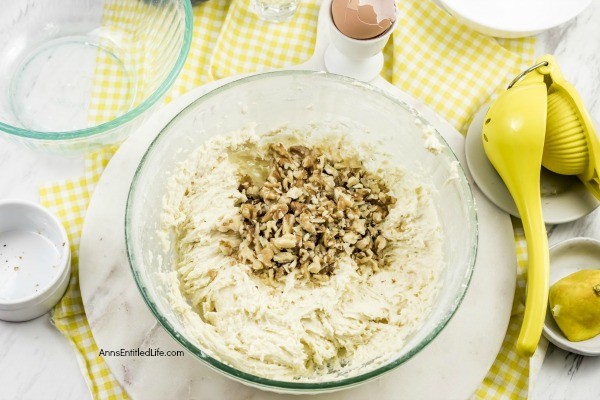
<point>312,209</point>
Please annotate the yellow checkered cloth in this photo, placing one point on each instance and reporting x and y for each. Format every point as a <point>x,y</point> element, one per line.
<point>430,56</point>
<point>69,199</point>
<point>127,74</point>
<point>508,378</point>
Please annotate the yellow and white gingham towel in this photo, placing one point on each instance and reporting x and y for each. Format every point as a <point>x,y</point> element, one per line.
<point>430,56</point>
<point>69,199</point>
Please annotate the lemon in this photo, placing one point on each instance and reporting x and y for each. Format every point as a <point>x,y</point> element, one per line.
<point>575,304</point>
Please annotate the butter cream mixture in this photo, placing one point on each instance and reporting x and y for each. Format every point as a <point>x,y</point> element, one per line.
<point>295,328</point>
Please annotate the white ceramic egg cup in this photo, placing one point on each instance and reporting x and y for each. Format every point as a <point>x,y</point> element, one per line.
<point>359,59</point>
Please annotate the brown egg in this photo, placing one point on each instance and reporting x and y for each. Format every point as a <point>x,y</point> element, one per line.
<point>363,19</point>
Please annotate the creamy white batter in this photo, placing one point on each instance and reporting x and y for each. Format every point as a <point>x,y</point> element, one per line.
<point>296,329</point>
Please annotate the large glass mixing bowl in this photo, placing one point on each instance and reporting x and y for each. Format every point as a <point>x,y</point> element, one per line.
<point>300,99</point>
<point>79,74</point>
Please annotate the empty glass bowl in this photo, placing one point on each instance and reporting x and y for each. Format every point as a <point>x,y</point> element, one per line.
<point>76,74</point>
<point>302,100</point>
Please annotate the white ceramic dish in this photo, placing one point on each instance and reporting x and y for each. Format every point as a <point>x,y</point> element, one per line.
<point>358,59</point>
<point>513,18</point>
<point>35,260</point>
<point>566,258</point>
<point>564,198</point>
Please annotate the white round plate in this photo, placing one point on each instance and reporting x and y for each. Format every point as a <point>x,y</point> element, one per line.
<point>119,318</point>
<point>564,198</point>
<point>514,18</point>
<point>566,258</point>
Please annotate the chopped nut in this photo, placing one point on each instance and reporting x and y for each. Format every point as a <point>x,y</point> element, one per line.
<point>376,217</point>
<point>302,151</point>
<point>363,243</point>
<point>284,257</point>
<point>288,223</point>
<point>351,237</point>
<point>257,265</point>
<point>308,244</point>
<point>277,211</point>
<point>294,193</point>
<point>287,241</point>
<point>360,226</point>
<point>252,191</point>
<point>280,150</point>
<point>304,221</point>
<point>352,181</point>
<point>225,247</point>
<point>315,266</point>
<point>313,208</point>
<point>245,182</point>
<point>268,194</point>
<point>297,207</point>
<point>248,211</point>
<point>265,256</point>
<point>309,161</point>
<point>344,201</point>
<point>380,244</point>
<point>330,170</point>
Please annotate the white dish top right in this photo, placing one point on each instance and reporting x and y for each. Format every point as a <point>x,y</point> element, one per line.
<point>514,18</point>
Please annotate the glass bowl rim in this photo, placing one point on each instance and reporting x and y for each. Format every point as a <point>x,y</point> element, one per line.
<point>299,386</point>
<point>129,115</point>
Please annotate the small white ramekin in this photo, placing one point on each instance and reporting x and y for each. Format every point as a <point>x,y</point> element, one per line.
<point>37,296</point>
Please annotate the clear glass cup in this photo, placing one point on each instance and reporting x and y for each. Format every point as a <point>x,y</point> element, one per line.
<point>77,74</point>
<point>302,100</point>
<point>275,10</point>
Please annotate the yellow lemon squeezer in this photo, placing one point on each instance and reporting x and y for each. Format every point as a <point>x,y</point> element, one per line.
<point>539,120</point>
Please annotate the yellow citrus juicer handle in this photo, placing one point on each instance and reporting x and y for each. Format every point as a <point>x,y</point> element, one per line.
<point>513,140</point>
<point>571,144</point>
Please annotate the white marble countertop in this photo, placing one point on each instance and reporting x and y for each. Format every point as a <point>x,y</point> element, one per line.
<point>37,362</point>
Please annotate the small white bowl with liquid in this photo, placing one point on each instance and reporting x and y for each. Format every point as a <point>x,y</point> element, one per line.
<point>35,260</point>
